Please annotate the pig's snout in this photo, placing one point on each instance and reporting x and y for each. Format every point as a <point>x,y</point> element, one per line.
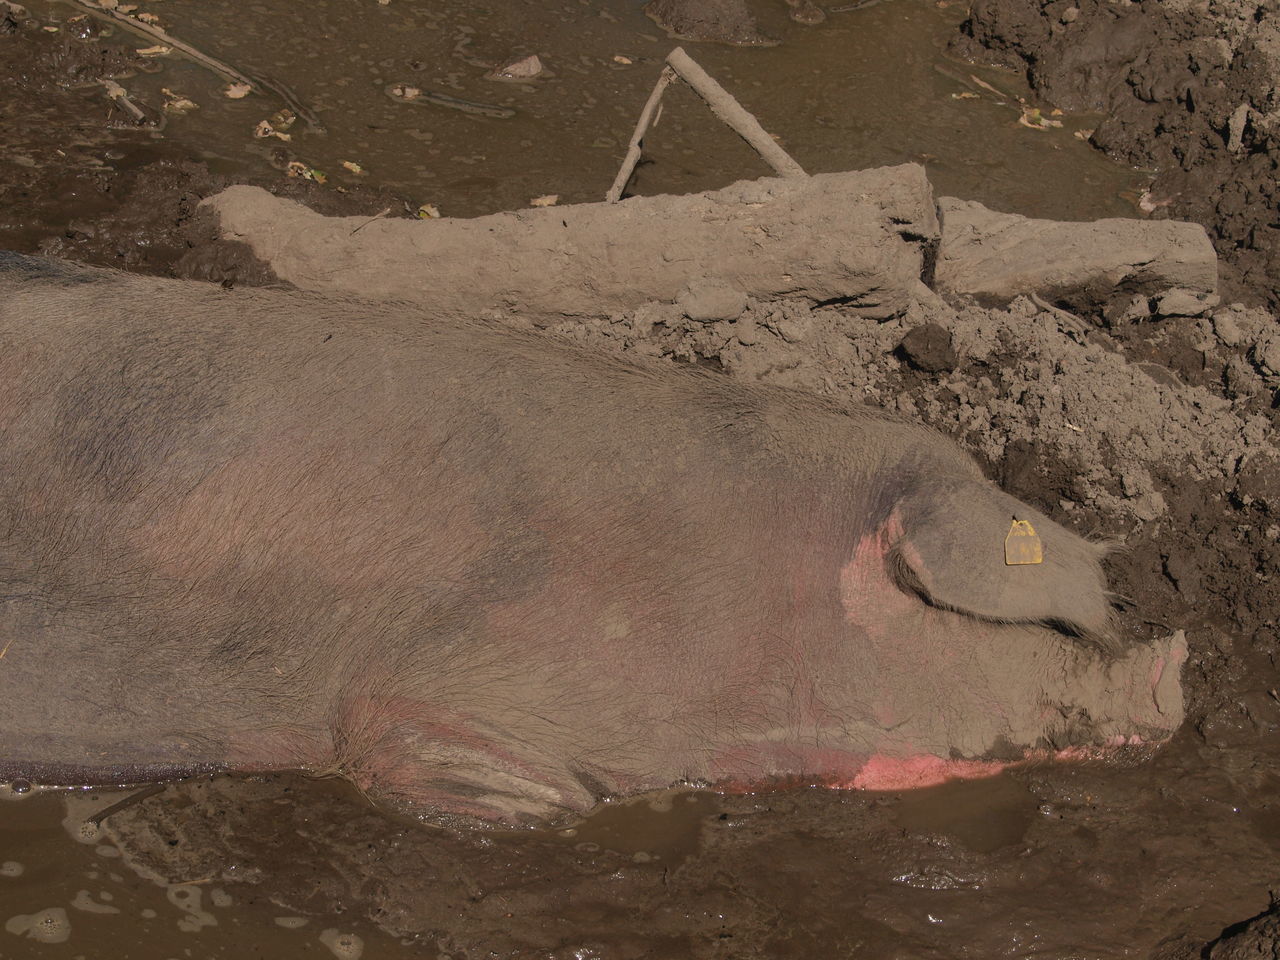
<point>1130,700</point>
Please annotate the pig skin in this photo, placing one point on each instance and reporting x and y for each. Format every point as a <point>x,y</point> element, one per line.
<point>478,571</point>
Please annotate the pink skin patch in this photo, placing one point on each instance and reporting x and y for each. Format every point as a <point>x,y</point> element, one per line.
<point>908,773</point>
<point>890,774</point>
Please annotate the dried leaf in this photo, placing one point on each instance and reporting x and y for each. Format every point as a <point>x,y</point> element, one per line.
<point>150,18</point>
<point>428,211</point>
<point>621,59</point>
<point>353,167</point>
<point>159,50</point>
<point>176,103</point>
<point>1035,120</point>
<point>549,200</point>
<point>237,91</point>
<point>264,130</point>
<point>299,169</point>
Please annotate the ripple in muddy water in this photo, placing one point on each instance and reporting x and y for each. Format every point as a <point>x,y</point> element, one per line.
<point>983,815</point>
<point>63,897</point>
<point>663,827</point>
<point>868,87</point>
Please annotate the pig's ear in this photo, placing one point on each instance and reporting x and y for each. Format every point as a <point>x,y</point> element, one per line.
<point>952,554</point>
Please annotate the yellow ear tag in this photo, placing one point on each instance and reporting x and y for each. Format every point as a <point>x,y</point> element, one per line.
<point>1022,545</point>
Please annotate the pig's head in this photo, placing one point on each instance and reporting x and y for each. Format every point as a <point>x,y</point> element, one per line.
<point>965,662</point>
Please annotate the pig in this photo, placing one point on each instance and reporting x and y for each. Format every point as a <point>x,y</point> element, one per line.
<point>484,573</point>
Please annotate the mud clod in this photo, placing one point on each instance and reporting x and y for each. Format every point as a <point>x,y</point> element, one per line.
<point>928,347</point>
<point>1256,939</point>
<point>726,21</point>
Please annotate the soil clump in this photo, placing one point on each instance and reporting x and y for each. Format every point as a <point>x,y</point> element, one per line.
<point>726,21</point>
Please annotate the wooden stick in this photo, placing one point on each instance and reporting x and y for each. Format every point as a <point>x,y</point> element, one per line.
<point>219,67</point>
<point>121,96</point>
<point>128,801</point>
<point>642,126</point>
<point>724,106</point>
<point>224,70</point>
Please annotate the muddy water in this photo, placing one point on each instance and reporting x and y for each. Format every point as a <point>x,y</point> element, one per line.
<point>145,881</point>
<point>66,892</point>
<point>68,889</point>
<point>868,87</point>
<point>1094,861</point>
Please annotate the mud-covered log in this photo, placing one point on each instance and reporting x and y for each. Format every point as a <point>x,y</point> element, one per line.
<point>859,238</point>
<point>998,256</point>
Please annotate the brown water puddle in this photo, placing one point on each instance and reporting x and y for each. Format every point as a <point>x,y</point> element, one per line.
<point>867,88</point>
<point>982,815</point>
<point>1088,861</point>
<point>68,889</point>
<point>65,892</point>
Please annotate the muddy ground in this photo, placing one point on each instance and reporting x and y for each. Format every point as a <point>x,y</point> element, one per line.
<point>1135,421</point>
<point>1191,90</point>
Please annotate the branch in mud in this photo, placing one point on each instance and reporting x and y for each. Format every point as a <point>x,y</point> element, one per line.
<point>642,127</point>
<point>722,103</point>
<point>219,67</point>
<point>121,97</point>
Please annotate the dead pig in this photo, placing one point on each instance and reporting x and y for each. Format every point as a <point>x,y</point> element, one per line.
<point>478,571</point>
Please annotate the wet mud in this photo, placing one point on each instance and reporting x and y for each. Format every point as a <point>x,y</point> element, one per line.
<point>868,88</point>
<point>1188,91</point>
<point>1149,421</point>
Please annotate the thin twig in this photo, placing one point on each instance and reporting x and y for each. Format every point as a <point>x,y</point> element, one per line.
<point>850,7</point>
<point>221,68</point>
<point>226,71</point>
<point>376,216</point>
<point>741,121</point>
<point>1070,319</point>
<point>128,801</point>
<point>642,126</point>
